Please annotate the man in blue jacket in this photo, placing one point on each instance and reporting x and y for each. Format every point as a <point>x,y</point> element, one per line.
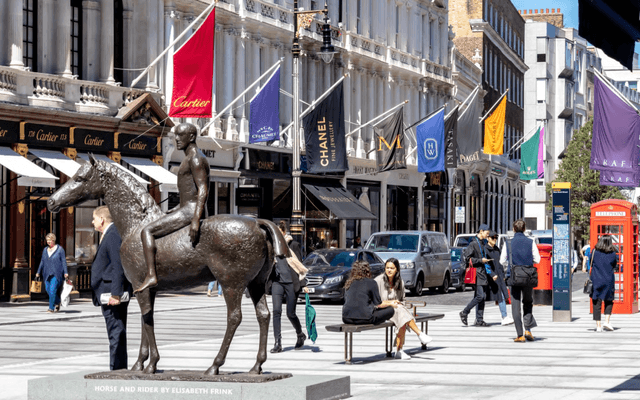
<point>107,277</point>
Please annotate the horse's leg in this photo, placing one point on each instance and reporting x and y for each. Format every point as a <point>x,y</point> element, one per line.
<point>256,289</point>
<point>233,298</point>
<point>148,347</point>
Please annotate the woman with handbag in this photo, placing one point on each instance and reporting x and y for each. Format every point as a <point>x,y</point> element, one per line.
<point>53,266</point>
<point>391,287</point>
<point>286,280</point>
<point>604,260</point>
<point>521,255</point>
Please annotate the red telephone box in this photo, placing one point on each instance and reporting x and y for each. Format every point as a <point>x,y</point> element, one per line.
<point>619,219</point>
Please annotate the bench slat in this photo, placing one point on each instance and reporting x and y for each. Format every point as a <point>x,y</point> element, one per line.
<point>368,327</point>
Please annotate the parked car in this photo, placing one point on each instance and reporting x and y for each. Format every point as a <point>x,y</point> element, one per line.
<point>330,268</point>
<point>457,269</point>
<point>425,259</point>
<point>544,236</point>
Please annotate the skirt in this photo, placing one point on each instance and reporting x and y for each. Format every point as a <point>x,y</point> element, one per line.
<point>401,316</point>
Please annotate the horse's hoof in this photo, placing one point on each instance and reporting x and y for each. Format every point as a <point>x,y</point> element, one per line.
<point>151,369</point>
<point>256,371</point>
<point>212,371</point>
<point>137,367</point>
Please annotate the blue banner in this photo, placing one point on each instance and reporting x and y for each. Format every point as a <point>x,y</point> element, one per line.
<point>264,115</point>
<point>430,140</point>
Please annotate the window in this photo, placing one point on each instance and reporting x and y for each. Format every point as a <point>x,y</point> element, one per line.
<point>29,33</point>
<point>358,17</point>
<point>224,198</point>
<point>398,28</point>
<point>85,237</point>
<point>76,38</point>
<point>541,49</point>
<point>118,41</point>
<point>541,90</point>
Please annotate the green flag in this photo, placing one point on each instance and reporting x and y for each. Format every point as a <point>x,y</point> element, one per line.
<point>529,158</point>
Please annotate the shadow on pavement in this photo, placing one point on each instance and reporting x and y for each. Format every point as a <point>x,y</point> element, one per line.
<point>630,384</point>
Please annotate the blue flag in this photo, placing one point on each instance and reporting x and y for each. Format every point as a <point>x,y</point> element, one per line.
<point>264,116</point>
<point>430,140</point>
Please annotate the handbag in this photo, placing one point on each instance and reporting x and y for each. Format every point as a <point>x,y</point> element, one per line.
<point>104,298</point>
<point>588,285</point>
<point>524,275</point>
<point>65,297</point>
<point>36,285</point>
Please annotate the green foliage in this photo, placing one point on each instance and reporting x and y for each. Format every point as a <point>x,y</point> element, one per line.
<point>585,182</point>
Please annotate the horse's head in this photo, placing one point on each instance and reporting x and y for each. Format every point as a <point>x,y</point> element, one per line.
<point>85,185</point>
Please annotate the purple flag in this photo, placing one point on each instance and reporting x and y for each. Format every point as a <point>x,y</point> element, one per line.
<point>616,134</point>
<point>264,112</point>
<point>541,155</point>
<point>623,179</point>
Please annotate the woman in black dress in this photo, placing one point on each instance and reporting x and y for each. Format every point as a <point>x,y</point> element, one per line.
<point>604,262</point>
<point>362,303</point>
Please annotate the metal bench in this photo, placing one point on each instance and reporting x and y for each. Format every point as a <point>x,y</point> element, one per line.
<point>349,329</point>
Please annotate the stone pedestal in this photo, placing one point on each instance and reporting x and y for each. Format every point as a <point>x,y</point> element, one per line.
<point>192,385</point>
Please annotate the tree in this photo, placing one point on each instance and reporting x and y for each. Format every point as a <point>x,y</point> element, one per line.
<point>585,182</point>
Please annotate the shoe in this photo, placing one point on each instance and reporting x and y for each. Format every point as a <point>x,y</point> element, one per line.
<point>277,347</point>
<point>481,324</point>
<point>463,317</point>
<point>607,327</point>
<point>58,308</point>
<point>401,355</point>
<point>424,338</point>
<point>520,339</point>
<point>598,329</point>
<point>506,321</point>
<point>50,311</point>
<point>529,336</point>
<point>300,342</point>
<point>209,294</point>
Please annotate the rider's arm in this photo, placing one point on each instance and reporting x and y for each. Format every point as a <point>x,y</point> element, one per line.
<point>201,178</point>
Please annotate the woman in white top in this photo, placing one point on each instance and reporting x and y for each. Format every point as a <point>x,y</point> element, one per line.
<point>391,288</point>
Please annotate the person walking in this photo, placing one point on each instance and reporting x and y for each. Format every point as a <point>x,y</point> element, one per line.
<point>498,287</point>
<point>285,282</point>
<point>53,266</point>
<point>604,262</point>
<point>475,253</point>
<point>523,252</point>
<point>586,257</point>
<point>391,287</point>
<point>362,302</point>
<point>107,277</point>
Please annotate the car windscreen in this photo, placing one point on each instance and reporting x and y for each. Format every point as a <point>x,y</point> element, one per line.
<point>394,242</point>
<point>546,240</point>
<point>456,253</point>
<point>333,258</point>
<point>463,241</point>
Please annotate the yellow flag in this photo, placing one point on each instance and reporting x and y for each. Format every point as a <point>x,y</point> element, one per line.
<point>494,129</point>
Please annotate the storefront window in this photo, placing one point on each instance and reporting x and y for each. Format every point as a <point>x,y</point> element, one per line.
<point>224,198</point>
<point>401,208</point>
<point>434,210</point>
<point>369,195</point>
<point>86,243</point>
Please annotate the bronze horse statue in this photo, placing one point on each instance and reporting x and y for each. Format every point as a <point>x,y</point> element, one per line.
<point>238,250</point>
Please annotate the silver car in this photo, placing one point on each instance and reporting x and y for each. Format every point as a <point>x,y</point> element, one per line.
<point>425,258</point>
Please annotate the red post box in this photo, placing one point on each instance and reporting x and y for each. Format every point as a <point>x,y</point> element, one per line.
<point>543,293</point>
<point>619,219</point>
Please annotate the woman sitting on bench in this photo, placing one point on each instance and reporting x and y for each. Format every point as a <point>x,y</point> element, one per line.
<point>391,288</point>
<point>362,304</point>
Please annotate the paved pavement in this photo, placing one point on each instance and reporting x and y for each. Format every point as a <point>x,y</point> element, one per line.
<point>568,360</point>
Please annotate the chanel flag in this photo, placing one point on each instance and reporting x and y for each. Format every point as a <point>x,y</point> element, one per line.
<point>390,143</point>
<point>324,131</point>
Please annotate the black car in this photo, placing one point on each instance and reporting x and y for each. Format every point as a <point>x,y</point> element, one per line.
<point>330,268</point>
<point>457,269</point>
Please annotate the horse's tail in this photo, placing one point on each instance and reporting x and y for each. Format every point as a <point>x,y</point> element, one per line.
<point>280,247</point>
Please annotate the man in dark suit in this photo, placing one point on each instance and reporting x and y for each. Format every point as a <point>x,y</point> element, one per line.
<point>107,276</point>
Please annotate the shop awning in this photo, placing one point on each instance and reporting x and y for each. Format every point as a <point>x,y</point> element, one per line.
<point>29,173</point>
<point>340,202</point>
<point>104,158</point>
<point>58,161</point>
<point>168,181</point>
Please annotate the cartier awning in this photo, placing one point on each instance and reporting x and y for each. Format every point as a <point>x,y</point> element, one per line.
<point>168,181</point>
<point>340,202</point>
<point>29,173</point>
<point>58,161</point>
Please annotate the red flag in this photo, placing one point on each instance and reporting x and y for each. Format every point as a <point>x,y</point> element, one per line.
<point>193,73</point>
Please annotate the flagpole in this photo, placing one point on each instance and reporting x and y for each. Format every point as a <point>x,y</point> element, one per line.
<point>469,105</point>
<point>524,138</point>
<point>316,101</point>
<point>469,96</point>
<point>154,62</point>
<point>383,115</point>
<point>267,72</point>
<point>606,81</point>
<point>493,107</point>
<point>428,116</point>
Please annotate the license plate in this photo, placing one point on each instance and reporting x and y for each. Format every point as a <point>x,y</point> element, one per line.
<point>312,290</point>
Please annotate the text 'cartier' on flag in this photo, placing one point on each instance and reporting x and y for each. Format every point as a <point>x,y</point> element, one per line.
<point>193,73</point>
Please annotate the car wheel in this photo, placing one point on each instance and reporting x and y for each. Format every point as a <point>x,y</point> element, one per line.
<point>417,290</point>
<point>462,287</point>
<point>444,289</point>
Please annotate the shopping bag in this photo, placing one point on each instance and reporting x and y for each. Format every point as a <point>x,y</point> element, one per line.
<point>36,285</point>
<point>65,297</point>
<point>310,318</point>
<point>470,274</point>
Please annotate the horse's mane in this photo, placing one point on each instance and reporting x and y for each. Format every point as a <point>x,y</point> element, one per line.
<point>138,192</point>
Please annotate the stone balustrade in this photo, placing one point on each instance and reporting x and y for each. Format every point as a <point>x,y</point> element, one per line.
<point>54,91</point>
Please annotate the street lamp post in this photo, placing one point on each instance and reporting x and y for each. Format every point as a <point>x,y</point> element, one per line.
<point>326,53</point>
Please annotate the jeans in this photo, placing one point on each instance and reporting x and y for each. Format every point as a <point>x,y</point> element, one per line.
<point>522,296</point>
<point>211,285</point>
<point>478,301</point>
<point>503,308</point>
<point>280,292</point>
<point>52,286</point>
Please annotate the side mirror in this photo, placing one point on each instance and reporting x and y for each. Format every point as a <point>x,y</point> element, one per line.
<point>427,250</point>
